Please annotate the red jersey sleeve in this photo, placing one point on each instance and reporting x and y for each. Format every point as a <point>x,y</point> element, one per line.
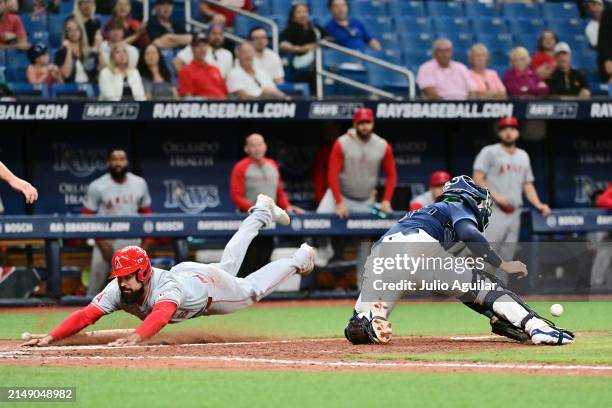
<point>281,197</point>
<point>160,316</point>
<point>388,165</point>
<point>336,161</point>
<point>415,205</point>
<point>237,186</point>
<point>319,173</point>
<point>77,321</point>
<point>185,84</point>
<point>605,199</point>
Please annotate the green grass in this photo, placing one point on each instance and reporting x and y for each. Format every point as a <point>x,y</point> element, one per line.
<point>191,388</point>
<point>326,321</point>
<point>219,388</point>
<point>588,349</point>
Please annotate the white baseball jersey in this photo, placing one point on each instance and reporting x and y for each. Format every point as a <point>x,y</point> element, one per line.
<point>107,197</point>
<point>186,286</point>
<point>505,173</point>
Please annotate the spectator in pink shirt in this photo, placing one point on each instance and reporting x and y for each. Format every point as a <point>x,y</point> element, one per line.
<point>443,78</point>
<point>521,79</point>
<point>487,81</point>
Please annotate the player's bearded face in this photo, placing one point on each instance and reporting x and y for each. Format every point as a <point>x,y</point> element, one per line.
<point>364,129</point>
<point>508,136</point>
<point>131,289</point>
<point>118,165</point>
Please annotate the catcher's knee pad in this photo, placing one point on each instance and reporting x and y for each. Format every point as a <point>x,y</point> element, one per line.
<point>361,330</point>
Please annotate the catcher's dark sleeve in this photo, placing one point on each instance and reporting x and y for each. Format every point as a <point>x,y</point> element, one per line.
<point>467,232</point>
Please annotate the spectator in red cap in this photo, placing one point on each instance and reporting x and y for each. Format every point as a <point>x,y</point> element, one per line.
<point>199,78</point>
<point>354,164</point>
<point>436,182</point>
<point>506,171</point>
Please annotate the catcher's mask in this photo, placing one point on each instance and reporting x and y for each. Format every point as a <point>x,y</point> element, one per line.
<point>476,197</point>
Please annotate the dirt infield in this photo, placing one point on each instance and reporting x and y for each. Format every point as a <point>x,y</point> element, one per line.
<point>197,351</point>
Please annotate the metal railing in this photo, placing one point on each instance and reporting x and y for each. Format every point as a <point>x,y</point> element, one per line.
<point>323,73</point>
<point>190,21</point>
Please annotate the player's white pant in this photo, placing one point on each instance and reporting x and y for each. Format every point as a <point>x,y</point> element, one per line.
<point>503,233</point>
<point>422,245</point>
<point>100,268</point>
<point>229,293</point>
<point>418,245</point>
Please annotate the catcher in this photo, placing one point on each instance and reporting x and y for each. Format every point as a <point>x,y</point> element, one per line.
<point>460,214</point>
<point>189,289</point>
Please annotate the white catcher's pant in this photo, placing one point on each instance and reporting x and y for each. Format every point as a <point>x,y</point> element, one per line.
<point>422,244</point>
<point>229,293</point>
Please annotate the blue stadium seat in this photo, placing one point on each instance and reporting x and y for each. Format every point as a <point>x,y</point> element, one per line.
<point>481,10</point>
<point>16,59</point>
<point>451,27</point>
<point>34,23</point>
<point>565,10</point>
<point>488,26</point>
<point>391,55</point>
<point>295,89</point>
<point>461,55</point>
<point>2,58</point>
<point>378,25</point>
<point>25,89</point>
<point>462,41</point>
<point>319,11</point>
<point>56,28</point>
<point>526,26</point>
<point>406,8</point>
<point>104,19</point>
<point>38,36</point>
<point>418,42</point>
<point>445,9</point>
<point>389,40</point>
<point>414,57</point>
<point>262,7</point>
<point>513,11</point>
<point>362,8</point>
<point>566,26</point>
<point>497,58</point>
<point>527,40</point>
<point>242,25</point>
<point>501,69</point>
<point>499,42</point>
<point>386,79</point>
<point>413,25</point>
<point>280,7</point>
<point>333,59</point>
<point>66,7</point>
<point>72,90</point>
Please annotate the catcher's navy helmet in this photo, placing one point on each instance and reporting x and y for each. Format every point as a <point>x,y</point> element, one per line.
<point>474,196</point>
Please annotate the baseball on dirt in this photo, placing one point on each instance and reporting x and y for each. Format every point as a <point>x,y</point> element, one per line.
<point>25,336</point>
<point>556,310</point>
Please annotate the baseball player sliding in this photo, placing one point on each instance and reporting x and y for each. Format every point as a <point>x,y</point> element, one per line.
<point>460,213</point>
<point>189,289</point>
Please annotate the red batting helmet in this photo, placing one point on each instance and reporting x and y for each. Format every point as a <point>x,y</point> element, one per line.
<point>508,121</point>
<point>439,178</point>
<point>363,115</point>
<point>131,259</point>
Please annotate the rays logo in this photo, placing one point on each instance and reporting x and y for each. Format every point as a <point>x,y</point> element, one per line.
<point>191,199</point>
<point>78,162</point>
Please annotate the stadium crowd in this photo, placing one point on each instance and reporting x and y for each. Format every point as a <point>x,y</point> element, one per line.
<point>481,49</point>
